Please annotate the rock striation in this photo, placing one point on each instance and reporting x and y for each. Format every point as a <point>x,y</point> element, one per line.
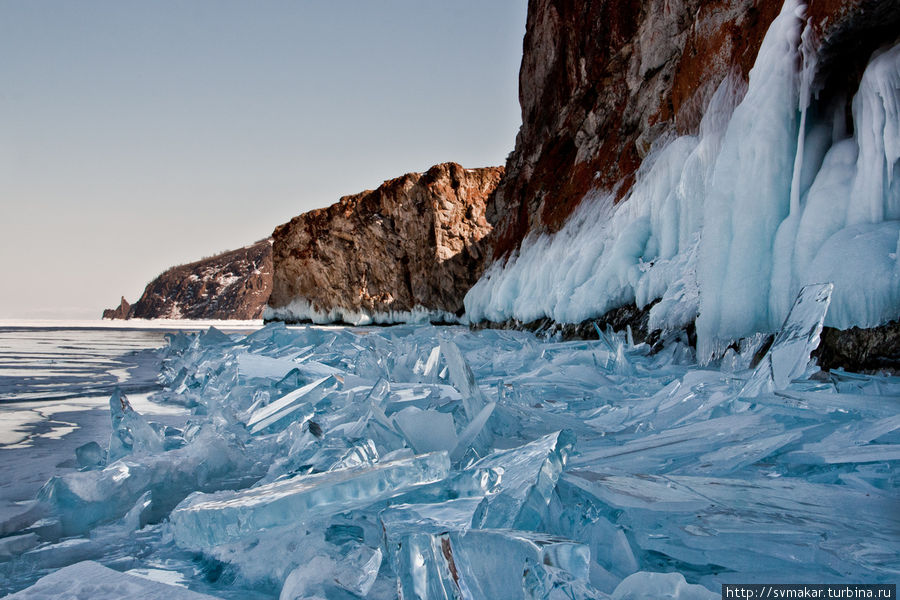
<point>230,285</point>
<point>410,249</point>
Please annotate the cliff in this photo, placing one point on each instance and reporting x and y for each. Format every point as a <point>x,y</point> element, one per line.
<point>410,249</point>
<point>701,162</point>
<point>120,312</point>
<point>601,82</point>
<point>230,285</point>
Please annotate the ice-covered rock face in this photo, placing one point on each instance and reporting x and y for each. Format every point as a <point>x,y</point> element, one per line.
<point>726,226</point>
<point>338,463</point>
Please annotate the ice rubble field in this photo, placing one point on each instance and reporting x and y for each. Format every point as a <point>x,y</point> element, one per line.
<point>431,462</point>
<point>773,194</point>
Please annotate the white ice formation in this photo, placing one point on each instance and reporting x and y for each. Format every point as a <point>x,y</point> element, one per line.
<point>725,227</point>
<point>300,310</point>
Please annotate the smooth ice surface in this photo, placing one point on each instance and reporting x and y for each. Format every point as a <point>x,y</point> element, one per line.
<point>592,469</point>
<point>726,226</point>
<point>92,580</point>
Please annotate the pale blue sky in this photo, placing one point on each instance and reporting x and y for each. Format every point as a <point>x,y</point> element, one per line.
<point>137,135</point>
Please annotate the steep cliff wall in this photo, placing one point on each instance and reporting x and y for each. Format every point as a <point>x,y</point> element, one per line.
<point>413,247</point>
<point>703,161</point>
<point>231,285</point>
<point>601,82</point>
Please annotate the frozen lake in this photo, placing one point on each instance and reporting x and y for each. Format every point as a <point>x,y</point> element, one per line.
<point>364,462</point>
<point>55,384</point>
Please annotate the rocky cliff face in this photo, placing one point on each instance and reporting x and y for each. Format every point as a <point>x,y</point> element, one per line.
<point>601,82</point>
<point>414,245</point>
<point>231,285</point>
<point>120,312</point>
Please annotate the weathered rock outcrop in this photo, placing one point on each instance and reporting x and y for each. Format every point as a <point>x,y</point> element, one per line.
<point>230,285</point>
<point>417,242</point>
<point>120,312</point>
<point>601,81</point>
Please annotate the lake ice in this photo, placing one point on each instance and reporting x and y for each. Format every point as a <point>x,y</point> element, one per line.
<point>442,462</point>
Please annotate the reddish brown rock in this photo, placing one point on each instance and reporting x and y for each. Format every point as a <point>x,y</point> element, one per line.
<point>230,285</point>
<point>601,81</point>
<point>120,312</point>
<point>416,241</point>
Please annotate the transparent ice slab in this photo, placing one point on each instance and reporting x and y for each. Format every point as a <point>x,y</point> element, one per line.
<point>427,430</point>
<point>651,586</point>
<point>355,571</point>
<point>204,520</point>
<point>131,433</point>
<point>290,407</point>
<point>799,336</point>
<point>528,476</point>
<point>213,461</point>
<point>463,378</point>
<point>481,563</point>
<point>768,526</point>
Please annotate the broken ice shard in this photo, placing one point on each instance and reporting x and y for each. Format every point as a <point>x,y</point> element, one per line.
<point>354,571</point>
<point>213,337</point>
<point>431,364</point>
<point>799,336</point>
<point>255,365</point>
<point>463,379</point>
<point>401,521</point>
<point>131,433</point>
<point>530,473</point>
<point>482,563</point>
<point>84,499</point>
<point>92,580</point>
<point>205,520</point>
<point>89,455</point>
<point>14,545</point>
<point>852,444</point>
<point>472,431</point>
<point>426,430</point>
<point>281,412</point>
<point>774,527</point>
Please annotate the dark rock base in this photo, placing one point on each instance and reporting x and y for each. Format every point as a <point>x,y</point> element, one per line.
<point>856,349</point>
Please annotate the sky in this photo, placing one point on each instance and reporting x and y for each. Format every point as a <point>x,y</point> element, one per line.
<point>137,135</point>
